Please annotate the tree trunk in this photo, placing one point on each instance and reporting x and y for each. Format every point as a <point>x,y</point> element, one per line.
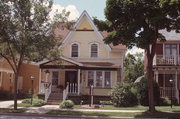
<point>150,84</point>
<point>15,90</point>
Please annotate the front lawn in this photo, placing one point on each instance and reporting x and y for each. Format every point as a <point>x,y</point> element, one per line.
<point>7,110</point>
<point>118,114</point>
<point>111,107</point>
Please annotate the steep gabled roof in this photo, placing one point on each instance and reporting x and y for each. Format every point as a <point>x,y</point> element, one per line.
<point>67,34</point>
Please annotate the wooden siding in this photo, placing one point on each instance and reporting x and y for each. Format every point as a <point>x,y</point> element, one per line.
<point>159,49</point>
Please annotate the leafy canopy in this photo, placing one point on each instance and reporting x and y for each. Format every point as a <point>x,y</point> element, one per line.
<point>136,22</point>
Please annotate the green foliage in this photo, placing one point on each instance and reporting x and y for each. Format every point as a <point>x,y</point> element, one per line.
<point>5,95</point>
<point>139,21</point>
<point>36,102</point>
<point>164,102</point>
<point>142,92</point>
<point>106,102</point>
<point>133,67</point>
<point>122,95</point>
<point>23,95</point>
<point>67,104</point>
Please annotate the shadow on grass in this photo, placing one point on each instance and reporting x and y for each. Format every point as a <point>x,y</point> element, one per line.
<point>171,115</point>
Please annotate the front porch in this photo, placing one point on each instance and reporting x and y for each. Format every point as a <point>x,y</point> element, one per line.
<point>58,82</point>
<point>169,82</point>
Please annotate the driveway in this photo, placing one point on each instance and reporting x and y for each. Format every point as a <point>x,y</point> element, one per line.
<point>7,104</point>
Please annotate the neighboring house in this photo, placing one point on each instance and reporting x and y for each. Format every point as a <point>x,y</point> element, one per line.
<point>166,65</point>
<point>24,81</point>
<point>86,61</point>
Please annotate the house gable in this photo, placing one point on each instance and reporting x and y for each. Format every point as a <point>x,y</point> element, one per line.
<point>85,23</point>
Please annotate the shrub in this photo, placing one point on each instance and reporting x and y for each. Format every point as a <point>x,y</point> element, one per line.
<point>121,95</point>
<point>67,104</point>
<point>23,95</point>
<point>36,102</point>
<point>142,92</point>
<point>164,102</point>
<point>5,95</point>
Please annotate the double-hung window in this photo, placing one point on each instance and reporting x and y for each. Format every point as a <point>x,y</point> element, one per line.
<point>74,50</point>
<point>170,49</point>
<point>100,79</point>
<point>94,50</point>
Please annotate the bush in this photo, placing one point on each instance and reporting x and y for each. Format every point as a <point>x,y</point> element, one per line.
<point>5,95</point>
<point>164,102</point>
<point>122,95</point>
<point>36,102</point>
<point>23,95</point>
<point>142,92</point>
<point>67,104</point>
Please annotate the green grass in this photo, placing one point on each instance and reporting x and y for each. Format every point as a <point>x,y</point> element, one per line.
<point>6,110</point>
<point>24,105</point>
<point>111,107</point>
<point>119,114</point>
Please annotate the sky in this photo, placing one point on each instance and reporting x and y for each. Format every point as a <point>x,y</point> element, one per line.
<point>95,8</point>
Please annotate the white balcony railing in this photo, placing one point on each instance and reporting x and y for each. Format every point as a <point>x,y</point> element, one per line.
<point>166,60</point>
<point>167,92</point>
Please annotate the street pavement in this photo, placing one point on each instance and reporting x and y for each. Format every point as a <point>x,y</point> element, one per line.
<point>62,117</point>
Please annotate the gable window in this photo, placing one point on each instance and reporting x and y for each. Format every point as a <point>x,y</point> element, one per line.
<point>94,50</point>
<point>74,50</point>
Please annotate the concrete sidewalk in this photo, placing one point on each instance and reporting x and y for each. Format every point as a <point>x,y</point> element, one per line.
<point>8,104</point>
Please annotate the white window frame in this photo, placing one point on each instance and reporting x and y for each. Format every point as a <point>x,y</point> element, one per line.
<point>103,78</point>
<point>78,49</point>
<point>110,79</point>
<point>97,50</point>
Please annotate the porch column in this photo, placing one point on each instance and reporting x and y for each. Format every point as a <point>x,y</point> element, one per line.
<point>40,84</point>
<point>176,87</point>
<point>79,71</point>
<point>156,76</point>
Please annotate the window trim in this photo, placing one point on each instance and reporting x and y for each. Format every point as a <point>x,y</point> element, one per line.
<point>78,49</point>
<point>97,49</point>
<point>103,79</point>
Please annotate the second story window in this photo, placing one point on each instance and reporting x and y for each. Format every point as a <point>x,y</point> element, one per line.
<point>74,50</point>
<point>170,49</point>
<point>94,50</point>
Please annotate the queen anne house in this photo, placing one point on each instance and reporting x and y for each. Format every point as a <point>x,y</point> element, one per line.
<point>166,65</point>
<point>86,61</point>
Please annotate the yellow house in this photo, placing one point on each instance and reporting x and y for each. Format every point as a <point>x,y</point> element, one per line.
<point>86,61</point>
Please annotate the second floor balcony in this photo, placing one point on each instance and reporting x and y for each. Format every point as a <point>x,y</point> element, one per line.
<point>165,60</point>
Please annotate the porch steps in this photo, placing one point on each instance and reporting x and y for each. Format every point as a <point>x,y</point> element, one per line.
<point>55,98</point>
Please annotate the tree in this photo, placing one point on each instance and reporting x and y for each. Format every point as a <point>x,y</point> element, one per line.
<point>133,67</point>
<point>26,33</point>
<point>137,22</point>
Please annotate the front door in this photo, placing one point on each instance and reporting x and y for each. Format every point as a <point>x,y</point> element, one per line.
<point>71,79</point>
<point>55,77</point>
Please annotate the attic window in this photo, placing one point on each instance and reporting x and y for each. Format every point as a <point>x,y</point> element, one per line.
<point>94,50</point>
<point>74,50</point>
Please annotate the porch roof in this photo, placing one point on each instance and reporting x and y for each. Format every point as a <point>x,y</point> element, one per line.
<point>71,64</point>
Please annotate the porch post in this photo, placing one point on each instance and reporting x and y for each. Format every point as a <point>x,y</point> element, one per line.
<point>176,87</point>
<point>156,76</point>
<point>40,85</point>
<point>79,81</point>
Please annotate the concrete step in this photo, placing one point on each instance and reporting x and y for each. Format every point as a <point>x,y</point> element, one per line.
<point>54,102</point>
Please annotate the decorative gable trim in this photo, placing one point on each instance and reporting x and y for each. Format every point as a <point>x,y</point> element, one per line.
<point>99,35</point>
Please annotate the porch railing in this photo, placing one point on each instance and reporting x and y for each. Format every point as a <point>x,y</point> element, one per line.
<point>73,88</point>
<point>166,60</point>
<point>167,92</point>
<point>65,92</point>
<point>47,92</point>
